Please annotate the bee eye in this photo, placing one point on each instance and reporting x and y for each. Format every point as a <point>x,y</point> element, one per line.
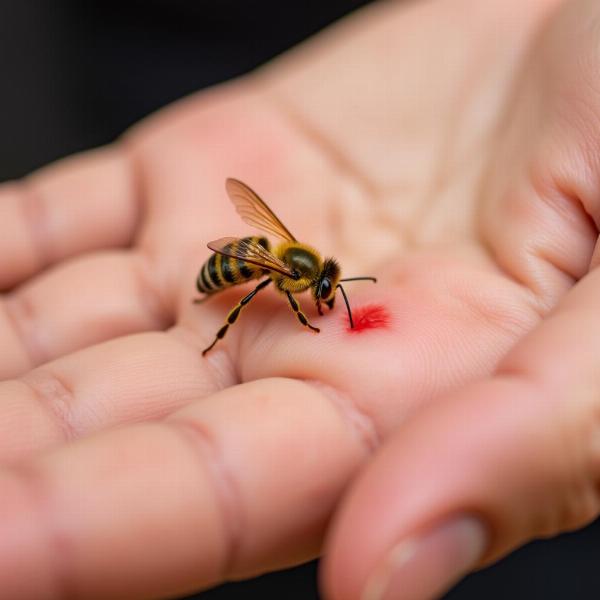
<point>325,288</point>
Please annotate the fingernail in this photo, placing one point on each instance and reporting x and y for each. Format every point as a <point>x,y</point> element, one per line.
<point>425,566</point>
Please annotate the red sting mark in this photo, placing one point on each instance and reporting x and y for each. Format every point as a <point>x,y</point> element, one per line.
<point>370,316</point>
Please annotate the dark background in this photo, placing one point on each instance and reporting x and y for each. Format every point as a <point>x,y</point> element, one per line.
<point>75,74</point>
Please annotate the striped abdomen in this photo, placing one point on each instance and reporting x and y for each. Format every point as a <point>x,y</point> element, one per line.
<point>220,272</point>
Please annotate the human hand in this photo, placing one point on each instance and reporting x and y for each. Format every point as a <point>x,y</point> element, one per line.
<point>514,456</point>
<point>372,143</point>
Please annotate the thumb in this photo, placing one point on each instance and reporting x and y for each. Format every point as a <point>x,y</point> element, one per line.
<point>467,480</point>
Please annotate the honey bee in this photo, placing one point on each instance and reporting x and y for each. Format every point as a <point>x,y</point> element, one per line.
<point>292,266</point>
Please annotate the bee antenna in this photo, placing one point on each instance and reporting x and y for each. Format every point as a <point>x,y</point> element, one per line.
<point>347,305</point>
<point>373,279</point>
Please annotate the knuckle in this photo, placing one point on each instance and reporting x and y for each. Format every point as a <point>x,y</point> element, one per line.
<point>205,448</point>
<point>36,219</point>
<point>589,441</point>
<point>53,544</point>
<point>577,451</point>
<point>22,314</point>
<point>56,397</point>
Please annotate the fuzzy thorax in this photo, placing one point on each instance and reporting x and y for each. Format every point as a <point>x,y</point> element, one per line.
<point>306,263</point>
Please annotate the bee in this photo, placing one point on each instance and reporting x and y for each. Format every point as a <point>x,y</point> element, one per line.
<point>293,267</point>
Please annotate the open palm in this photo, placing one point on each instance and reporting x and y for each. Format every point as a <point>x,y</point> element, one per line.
<point>388,142</point>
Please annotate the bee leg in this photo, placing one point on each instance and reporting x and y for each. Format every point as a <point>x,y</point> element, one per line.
<point>301,316</point>
<point>235,312</point>
<point>201,300</point>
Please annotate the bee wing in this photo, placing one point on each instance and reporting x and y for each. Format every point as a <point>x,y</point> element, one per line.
<point>254,211</point>
<point>252,252</point>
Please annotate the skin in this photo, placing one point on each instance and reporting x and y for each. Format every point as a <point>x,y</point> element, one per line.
<point>454,158</point>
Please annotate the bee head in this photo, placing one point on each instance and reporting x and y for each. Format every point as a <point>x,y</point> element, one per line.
<point>324,288</point>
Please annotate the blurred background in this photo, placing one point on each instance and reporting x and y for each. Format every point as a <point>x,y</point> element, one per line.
<point>76,73</point>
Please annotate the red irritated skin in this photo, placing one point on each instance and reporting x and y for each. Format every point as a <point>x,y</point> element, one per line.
<point>370,316</point>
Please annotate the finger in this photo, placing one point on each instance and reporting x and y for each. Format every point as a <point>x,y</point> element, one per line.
<point>228,487</point>
<point>540,215</point>
<point>83,203</point>
<point>500,463</point>
<point>79,303</point>
<point>135,378</point>
<point>149,375</point>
